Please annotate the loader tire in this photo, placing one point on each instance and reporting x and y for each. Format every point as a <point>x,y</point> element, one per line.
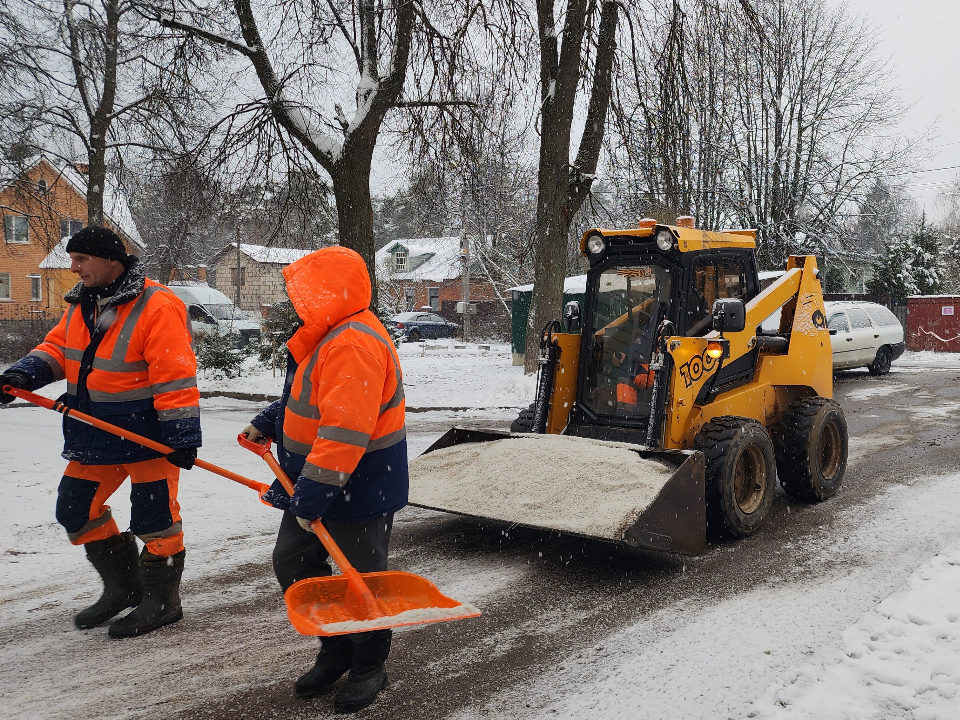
<point>811,446</point>
<point>740,472</point>
<point>524,421</point>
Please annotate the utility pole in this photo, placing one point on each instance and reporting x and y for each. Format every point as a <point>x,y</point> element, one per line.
<point>465,275</point>
<point>239,270</point>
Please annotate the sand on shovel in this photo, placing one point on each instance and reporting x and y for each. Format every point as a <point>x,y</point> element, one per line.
<point>569,484</point>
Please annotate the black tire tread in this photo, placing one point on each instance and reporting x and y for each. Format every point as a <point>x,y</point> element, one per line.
<point>714,440</point>
<point>882,368</point>
<point>791,445</point>
<point>524,421</point>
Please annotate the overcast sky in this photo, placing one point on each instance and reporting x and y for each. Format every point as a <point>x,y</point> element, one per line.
<point>922,39</point>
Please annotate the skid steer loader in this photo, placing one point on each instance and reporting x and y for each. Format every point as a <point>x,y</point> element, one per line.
<point>664,411</point>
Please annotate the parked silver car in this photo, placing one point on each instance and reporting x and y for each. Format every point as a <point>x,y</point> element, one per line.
<point>864,334</point>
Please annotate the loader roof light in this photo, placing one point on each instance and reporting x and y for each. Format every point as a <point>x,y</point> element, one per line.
<point>685,221</point>
<point>596,245</point>
<point>646,224</point>
<point>715,350</point>
<point>665,240</point>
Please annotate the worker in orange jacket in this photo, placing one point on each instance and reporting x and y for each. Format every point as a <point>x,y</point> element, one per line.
<point>341,430</point>
<point>123,346</point>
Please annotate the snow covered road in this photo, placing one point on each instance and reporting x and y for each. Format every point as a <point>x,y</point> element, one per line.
<point>848,609</point>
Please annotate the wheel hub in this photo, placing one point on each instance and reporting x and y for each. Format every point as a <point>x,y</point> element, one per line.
<point>830,450</point>
<point>750,479</point>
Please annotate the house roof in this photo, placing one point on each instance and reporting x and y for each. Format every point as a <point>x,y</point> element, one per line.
<point>440,259</point>
<point>57,258</point>
<point>115,206</point>
<point>267,255</point>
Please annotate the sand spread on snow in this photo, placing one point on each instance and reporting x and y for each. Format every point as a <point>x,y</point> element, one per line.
<point>407,617</point>
<point>569,484</point>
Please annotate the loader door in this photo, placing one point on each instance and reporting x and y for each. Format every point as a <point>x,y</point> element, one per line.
<point>628,305</point>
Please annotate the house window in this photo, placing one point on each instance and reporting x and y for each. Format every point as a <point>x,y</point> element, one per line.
<point>400,260</point>
<point>410,297</point>
<point>34,288</point>
<point>16,229</point>
<point>42,187</point>
<point>238,279</point>
<point>5,286</point>
<point>52,290</point>
<point>69,226</point>
<point>434,295</point>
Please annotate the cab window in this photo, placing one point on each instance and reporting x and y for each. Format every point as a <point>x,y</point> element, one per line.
<point>712,279</point>
<point>630,303</point>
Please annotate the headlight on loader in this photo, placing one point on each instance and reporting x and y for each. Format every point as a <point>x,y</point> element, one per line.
<point>596,245</point>
<point>665,240</point>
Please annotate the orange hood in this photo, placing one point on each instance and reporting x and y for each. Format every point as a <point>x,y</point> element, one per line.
<point>325,287</point>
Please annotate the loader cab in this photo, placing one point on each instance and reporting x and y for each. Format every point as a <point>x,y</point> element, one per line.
<point>634,283</point>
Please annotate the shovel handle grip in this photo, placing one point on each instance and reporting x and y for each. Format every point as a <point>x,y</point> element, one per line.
<point>329,544</point>
<point>59,407</point>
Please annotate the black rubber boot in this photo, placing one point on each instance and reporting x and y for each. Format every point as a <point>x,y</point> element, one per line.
<point>333,661</point>
<point>115,558</point>
<point>161,596</point>
<point>368,675</point>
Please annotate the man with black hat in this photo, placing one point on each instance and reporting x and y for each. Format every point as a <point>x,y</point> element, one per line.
<point>123,346</point>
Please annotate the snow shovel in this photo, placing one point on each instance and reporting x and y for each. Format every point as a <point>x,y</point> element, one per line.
<point>355,602</point>
<point>127,435</point>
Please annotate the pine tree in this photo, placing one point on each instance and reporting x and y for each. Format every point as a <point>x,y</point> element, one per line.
<point>925,261</point>
<point>894,276</point>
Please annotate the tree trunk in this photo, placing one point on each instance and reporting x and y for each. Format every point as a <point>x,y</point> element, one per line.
<point>351,188</point>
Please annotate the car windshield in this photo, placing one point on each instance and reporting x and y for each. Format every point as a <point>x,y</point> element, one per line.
<point>630,301</point>
<point>225,311</point>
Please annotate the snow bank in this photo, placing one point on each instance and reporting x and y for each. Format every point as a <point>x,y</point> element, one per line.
<point>563,483</point>
<point>899,660</point>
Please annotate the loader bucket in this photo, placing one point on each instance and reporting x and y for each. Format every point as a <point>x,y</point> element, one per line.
<point>329,606</point>
<point>611,491</point>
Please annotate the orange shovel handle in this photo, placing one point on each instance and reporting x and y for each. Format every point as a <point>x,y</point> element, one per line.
<point>329,544</point>
<point>127,435</point>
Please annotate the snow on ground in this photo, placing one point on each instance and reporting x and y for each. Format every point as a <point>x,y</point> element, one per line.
<point>899,659</point>
<point>436,374</point>
<point>874,635</point>
<point>700,658</point>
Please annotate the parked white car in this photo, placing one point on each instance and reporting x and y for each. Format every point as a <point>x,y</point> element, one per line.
<point>213,313</point>
<point>864,334</point>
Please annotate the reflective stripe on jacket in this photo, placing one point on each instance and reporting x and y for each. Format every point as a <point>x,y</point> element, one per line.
<point>131,365</point>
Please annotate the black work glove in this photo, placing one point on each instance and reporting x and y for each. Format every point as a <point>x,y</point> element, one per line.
<point>183,457</point>
<point>17,380</point>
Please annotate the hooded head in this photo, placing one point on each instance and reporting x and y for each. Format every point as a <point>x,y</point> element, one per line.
<point>325,287</point>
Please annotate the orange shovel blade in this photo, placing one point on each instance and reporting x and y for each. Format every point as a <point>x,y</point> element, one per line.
<point>327,605</point>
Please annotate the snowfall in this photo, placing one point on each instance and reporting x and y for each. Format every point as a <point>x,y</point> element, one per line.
<point>879,639</point>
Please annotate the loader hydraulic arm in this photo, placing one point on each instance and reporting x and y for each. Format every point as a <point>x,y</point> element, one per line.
<point>753,381</point>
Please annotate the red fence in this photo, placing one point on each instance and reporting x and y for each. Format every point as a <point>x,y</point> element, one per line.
<point>933,323</point>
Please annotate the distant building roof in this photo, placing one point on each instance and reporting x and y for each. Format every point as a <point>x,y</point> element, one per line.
<point>57,259</point>
<point>576,285</point>
<point>435,259</point>
<point>267,255</point>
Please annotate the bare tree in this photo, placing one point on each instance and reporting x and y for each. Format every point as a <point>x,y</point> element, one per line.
<point>784,129</point>
<point>585,57</point>
<point>321,57</point>
<point>89,80</point>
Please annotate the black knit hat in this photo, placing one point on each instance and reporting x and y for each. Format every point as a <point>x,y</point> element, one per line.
<point>99,242</point>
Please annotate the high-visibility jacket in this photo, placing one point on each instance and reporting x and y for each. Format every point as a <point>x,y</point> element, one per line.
<point>341,420</point>
<point>130,364</point>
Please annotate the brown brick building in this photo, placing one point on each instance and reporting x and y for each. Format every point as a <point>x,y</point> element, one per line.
<point>253,277</point>
<point>427,272</point>
<point>40,209</point>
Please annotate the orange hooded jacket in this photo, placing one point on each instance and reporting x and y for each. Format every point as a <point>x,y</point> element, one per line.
<point>343,410</point>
